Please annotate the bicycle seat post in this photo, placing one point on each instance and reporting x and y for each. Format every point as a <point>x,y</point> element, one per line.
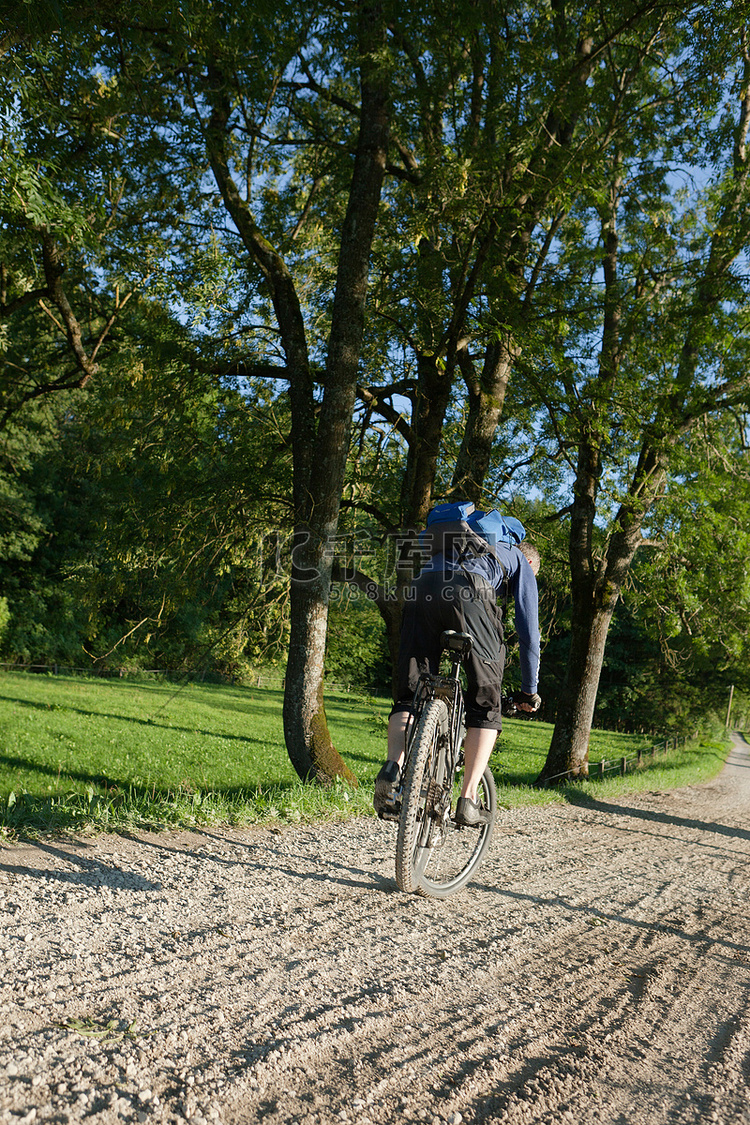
<point>456,661</point>
<point>458,645</point>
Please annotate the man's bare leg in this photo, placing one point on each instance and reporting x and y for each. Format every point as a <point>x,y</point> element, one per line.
<point>397,725</point>
<point>477,749</point>
<point>384,798</point>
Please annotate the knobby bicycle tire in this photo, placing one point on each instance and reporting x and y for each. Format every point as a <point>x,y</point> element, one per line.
<point>434,857</point>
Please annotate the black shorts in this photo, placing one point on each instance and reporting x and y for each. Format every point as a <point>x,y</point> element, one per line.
<point>467,603</point>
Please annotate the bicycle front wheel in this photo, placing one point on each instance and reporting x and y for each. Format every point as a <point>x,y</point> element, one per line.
<point>435,857</point>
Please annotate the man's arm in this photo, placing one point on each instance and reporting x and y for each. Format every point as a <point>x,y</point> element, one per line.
<point>526,598</point>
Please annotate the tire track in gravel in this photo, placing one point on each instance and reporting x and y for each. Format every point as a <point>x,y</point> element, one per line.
<point>598,970</point>
<point>616,1017</point>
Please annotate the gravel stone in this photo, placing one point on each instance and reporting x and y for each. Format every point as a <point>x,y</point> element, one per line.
<point>597,970</point>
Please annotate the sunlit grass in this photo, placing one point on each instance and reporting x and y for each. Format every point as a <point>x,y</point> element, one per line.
<point>522,749</point>
<point>76,752</point>
<point>521,755</point>
<point>79,754</point>
<point>62,734</point>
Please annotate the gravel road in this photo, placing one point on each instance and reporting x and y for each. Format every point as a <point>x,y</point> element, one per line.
<point>597,970</point>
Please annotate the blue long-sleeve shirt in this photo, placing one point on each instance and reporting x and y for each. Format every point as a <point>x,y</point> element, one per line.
<point>509,570</point>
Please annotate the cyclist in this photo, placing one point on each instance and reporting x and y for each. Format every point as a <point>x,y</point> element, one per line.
<point>459,590</point>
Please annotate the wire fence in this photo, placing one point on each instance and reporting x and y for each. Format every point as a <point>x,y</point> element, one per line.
<point>624,765</point>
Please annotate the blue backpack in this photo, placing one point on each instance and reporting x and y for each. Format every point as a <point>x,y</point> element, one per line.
<point>492,527</point>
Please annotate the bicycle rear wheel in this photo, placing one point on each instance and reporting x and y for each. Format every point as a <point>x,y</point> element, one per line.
<point>434,857</point>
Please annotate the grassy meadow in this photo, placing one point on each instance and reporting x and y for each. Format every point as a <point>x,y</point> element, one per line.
<point>89,754</point>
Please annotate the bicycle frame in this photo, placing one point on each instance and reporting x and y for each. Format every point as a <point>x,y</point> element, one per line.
<point>447,688</point>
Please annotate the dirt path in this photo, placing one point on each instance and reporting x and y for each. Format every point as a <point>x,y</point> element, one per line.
<point>597,971</point>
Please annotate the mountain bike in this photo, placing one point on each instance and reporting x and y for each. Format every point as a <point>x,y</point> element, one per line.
<point>435,856</point>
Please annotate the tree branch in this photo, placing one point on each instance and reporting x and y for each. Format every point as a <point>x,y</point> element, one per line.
<point>53,270</point>
<point>7,310</point>
<point>313,84</point>
<point>373,400</point>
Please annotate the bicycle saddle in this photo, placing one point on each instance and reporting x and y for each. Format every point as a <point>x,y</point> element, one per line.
<point>456,642</point>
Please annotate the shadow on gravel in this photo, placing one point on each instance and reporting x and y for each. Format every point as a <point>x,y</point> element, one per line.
<point>596,917</point>
<point>255,859</point>
<point>370,881</point>
<point>91,872</point>
<point>659,818</point>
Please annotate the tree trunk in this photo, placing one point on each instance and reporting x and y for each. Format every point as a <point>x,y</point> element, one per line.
<point>486,396</point>
<point>594,598</point>
<point>308,739</point>
<point>441,348</point>
<point>305,728</point>
<point>319,452</point>
<point>434,380</point>
<point>567,758</point>
<point>596,586</point>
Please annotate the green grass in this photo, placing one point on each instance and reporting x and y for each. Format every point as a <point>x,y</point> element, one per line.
<point>522,749</point>
<point>77,751</point>
<point>79,754</point>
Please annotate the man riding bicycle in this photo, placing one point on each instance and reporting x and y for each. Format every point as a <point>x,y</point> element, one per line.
<point>459,589</point>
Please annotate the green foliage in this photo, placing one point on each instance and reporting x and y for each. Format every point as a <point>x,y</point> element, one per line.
<point>160,499</point>
<point>357,651</point>
<point>22,521</point>
<point>692,590</point>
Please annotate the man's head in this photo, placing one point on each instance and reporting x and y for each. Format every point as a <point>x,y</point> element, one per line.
<point>531,553</point>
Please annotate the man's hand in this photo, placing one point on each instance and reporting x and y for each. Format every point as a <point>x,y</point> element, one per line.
<point>529,702</point>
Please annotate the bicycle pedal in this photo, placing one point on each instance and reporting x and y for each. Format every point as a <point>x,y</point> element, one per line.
<point>392,815</point>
